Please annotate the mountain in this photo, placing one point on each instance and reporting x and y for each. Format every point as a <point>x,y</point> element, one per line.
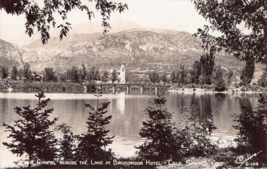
<point>131,47</point>
<point>124,47</point>
<point>19,38</point>
<point>10,54</point>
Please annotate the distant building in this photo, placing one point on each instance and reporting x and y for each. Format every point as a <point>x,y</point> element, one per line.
<point>121,74</point>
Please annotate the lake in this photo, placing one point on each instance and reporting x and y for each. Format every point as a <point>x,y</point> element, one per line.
<point>128,112</point>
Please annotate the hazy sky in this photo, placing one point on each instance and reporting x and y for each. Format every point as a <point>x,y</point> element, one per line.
<point>160,14</point>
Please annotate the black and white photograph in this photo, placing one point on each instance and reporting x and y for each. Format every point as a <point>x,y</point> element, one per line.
<point>125,84</point>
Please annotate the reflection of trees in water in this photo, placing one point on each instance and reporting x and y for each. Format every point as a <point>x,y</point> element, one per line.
<point>245,104</point>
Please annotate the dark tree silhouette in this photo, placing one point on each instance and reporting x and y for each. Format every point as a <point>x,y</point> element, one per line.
<point>14,73</point>
<point>92,145</point>
<point>252,129</point>
<point>160,142</point>
<point>248,72</point>
<point>226,17</point>
<point>30,134</point>
<point>154,77</point>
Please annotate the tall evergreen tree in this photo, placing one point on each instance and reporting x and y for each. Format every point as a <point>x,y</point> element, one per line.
<point>92,145</point>
<point>160,142</point>
<point>219,83</point>
<point>27,71</point>
<point>196,72</point>
<point>248,72</point>
<point>30,134</point>
<point>207,64</point>
<point>14,73</point>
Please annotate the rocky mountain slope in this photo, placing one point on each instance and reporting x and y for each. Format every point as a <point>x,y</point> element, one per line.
<point>133,46</point>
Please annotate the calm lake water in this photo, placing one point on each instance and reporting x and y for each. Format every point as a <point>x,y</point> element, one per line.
<point>127,114</point>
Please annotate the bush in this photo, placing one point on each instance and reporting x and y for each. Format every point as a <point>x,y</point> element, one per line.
<point>167,141</point>
<point>252,130</point>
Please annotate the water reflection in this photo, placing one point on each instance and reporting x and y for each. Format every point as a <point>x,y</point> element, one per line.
<point>128,113</point>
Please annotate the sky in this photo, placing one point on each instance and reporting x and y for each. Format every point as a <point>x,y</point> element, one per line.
<point>179,15</point>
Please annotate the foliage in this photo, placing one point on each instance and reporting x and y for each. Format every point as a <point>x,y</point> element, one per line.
<point>154,77</point>
<point>207,64</point>
<point>73,74</point>
<point>14,73</point>
<point>263,80</point>
<point>247,72</point>
<point>27,71</point>
<point>182,74</point>
<point>67,144</point>
<point>167,141</point>
<point>30,134</point>
<point>164,78</point>
<point>252,129</point>
<point>219,83</point>
<point>160,142</point>
<point>196,72</point>
<point>4,72</point>
<point>41,15</point>
<point>229,77</point>
<point>114,76</point>
<point>84,72</point>
<point>20,73</point>
<point>105,76</point>
<point>174,77</point>
<point>49,74</point>
<point>93,74</point>
<point>227,17</point>
<point>193,136</point>
<point>92,145</point>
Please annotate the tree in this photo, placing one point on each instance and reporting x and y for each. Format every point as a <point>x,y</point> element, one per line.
<point>63,77</point>
<point>226,17</point>
<point>114,76</point>
<point>160,142</point>
<point>93,144</point>
<point>30,134</point>
<point>252,129</point>
<point>14,74</point>
<point>219,83</point>
<point>93,74</point>
<point>84,72</point>
<point>154,77</point>
<point>27,71</point>
<point>164,78</point>
<point>67,144</point>
<point>49,74</point>
<point>105,76</point>
<point>229,77</point>
<point>173,78</point>
<point>248,72</point>
<point>196,72</point>
<point>41,16</point>
<point>4,72</point>
<point>263,80</point>
<point>20,73</point>
<point>74,74</point>
<point>182,74</point>
<point>207,64</point>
